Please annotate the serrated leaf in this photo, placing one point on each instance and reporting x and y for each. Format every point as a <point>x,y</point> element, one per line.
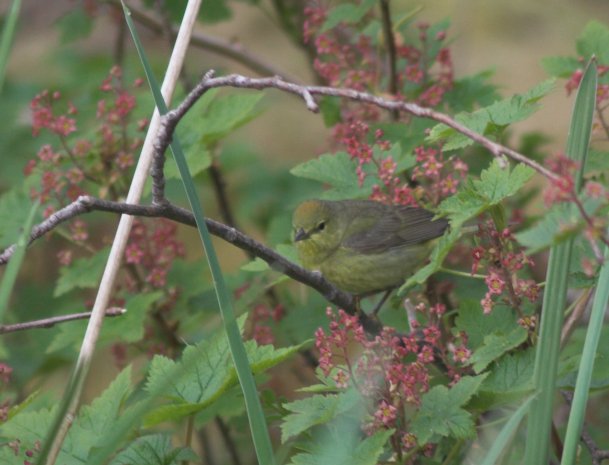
<point>85,434</point>
<point>14,209</point>
<point>315,410</point>
<point>497,183</point>
<point>207,373</point>
<point>83,273</point>
<point>154,449</point>
<point>593,41</point>
<point>497,115</point>
<point>495,345</point>
<point>95,420</point>
<point>441,414</point>
<point>364,452</point>
<point>347,13</point>
<point>511,373</point>
<point>464,205</point>
<point>475,196</point>
<point>128,327</point>
<point>477,325</point>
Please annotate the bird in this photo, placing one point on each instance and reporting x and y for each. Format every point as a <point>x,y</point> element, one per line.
<point>364,247</point>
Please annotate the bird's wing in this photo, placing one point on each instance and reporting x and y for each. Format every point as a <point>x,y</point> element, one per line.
<point>397,227</point>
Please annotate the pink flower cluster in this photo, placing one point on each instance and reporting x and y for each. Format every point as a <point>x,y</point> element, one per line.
<point>391,371</point>
<point>100,161</point>
<point>153,246</point>
<point>260,318</point>
<point>496,252</point>
<point>437,177</point>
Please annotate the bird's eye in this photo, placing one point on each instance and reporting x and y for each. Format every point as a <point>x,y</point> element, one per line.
<point>321,226</point>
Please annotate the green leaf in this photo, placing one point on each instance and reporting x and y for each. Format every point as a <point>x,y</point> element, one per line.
<point>346,451</point>
<point>472,91</point>
<point>226,113</point>
<point>154,449</point>
<point>348,13</point>
<point>475,196</point>
<point>128,327</point>
<point>477,325</point>
<point>98,418</point>
<point>337,170</point>
<point>512,373</point>
<point>560,67</point>
<point>75,24</point>
<point>593,41</point>
<point>441,415</point>
<point>83,273</point>
<point>208,372</point>
<point>497,183</point>
<point>315,410</point>
<point>330,110</point>
<point>464,205</point>
<point>14,209</point>
<point>563,221</point>
<point>198,159</point>
<point>215,11</point>
<point>87,432</point>
<point>256,265</point>
<point>491,118</point>
<point>495,345</point>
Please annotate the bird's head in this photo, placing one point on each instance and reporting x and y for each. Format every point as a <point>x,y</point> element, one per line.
<point>317,231</point>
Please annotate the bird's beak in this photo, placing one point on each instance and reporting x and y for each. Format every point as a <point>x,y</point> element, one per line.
<point>300,235</point>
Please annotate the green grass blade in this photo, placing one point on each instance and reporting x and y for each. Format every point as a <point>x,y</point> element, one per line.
<point>8,33</point>
<point>507,432</point>
<point>584,375</point>
<point>12,269</point>
<point>259,430</point>
<point>552,316</point>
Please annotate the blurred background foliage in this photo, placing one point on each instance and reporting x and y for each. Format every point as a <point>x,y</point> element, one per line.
<point>60,47</point>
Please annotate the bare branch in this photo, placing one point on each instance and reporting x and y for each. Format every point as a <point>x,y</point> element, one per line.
<point>49,322</point>
<point>85,204</point>
<point>307,93</point>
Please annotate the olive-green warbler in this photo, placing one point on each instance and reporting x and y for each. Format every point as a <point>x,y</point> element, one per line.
<point>363,246</point>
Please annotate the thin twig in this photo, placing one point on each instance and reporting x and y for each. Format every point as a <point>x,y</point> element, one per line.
<point>391,52</point>
<point>50,322</point>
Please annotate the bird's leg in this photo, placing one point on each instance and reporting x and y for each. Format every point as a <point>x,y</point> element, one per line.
<point>382,301</point>
<point>358,304</point>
